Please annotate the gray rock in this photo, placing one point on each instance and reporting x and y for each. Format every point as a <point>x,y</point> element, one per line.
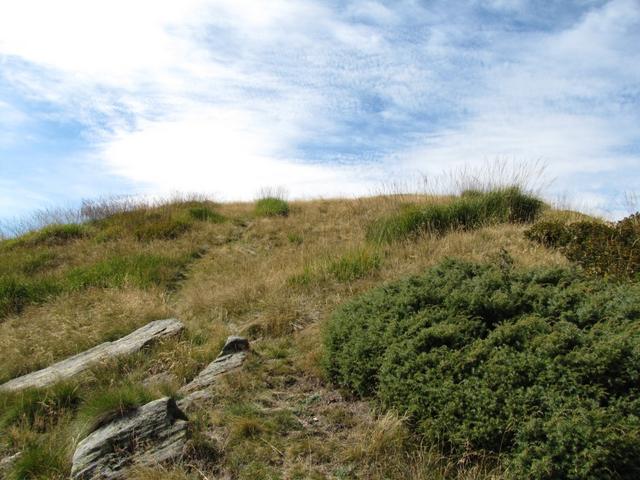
<point>152,434</point>
<point>234,344</point>
<point>193,399</point>
<point>221,365</point>
<point>7,462</point>
<point>82,361</point>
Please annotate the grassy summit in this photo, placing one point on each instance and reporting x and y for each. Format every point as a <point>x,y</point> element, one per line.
<point>281,273</point>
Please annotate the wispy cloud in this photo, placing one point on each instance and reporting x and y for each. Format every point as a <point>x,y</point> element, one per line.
<point>328,97</point>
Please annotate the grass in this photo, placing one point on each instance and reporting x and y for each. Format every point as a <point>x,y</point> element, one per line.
<point>271,207</point>
<point>472,209</point>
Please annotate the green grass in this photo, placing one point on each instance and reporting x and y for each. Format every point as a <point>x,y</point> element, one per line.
<point>43,458</point>
<point>271,207</point>
<point>540,365</point>
<point>141,270</point>
<point>355,264</point>
<point>16,292</point>
<point>107,403</point>
<point>38,409</point>
<point>472,209</point>
<point>57,234</point>
<point>205,214</point>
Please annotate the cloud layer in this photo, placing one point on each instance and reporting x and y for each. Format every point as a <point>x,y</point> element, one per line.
<point>324,98</point>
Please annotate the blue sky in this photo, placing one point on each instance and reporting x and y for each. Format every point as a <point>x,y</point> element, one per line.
<point>324,98</point>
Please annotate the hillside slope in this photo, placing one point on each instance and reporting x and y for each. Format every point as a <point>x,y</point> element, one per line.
<point>226,269</point>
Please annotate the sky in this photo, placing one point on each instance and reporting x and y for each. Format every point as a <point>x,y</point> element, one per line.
<point>323,98</point>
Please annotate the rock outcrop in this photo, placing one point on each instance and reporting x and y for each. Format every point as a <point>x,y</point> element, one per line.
<point>82,361</point>
<point>232,356</point>
<point>152,434</point>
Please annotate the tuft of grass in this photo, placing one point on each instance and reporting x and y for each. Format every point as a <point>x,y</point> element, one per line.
<point>43,458</point>
<point>38,409</point>
<point>271,207</point>
<point>108,403</point>
<point>472,209</point>
<point>355,264</point>
<point>16,292</point>
<point>161,228</point>
<point>141,270</point>
<point>57,234</point>
<point>205,214</point>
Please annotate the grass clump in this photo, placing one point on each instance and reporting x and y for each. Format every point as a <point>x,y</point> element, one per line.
<point>600,248</point>
<point>141,270</point>
<point>58,234</point>
<point>541,366</point>
<point>272,207</point>
<point>38,409</point>
<point>205,214</point>
<point>472,209</point>
<point>106,404</point>
<point>16,292</point>
<point>43,458</point>
<point>358,263</point>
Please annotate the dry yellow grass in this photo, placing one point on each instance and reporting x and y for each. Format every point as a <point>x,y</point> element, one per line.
<point>242,283</point>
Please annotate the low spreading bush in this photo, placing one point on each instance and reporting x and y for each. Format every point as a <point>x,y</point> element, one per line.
<point>600,248</point>
<point>541,366</point>
<point>472,209</point>
<point>272,207</point>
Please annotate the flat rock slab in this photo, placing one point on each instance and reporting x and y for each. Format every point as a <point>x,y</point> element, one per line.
<point>232,356</point>
<point>152,434</point>
<point>82,361</point>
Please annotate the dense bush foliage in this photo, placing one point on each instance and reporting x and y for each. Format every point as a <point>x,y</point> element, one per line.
<point>472,209</point>
<point>599,248</point>
<point>272,207</point>
<point>541,366</point>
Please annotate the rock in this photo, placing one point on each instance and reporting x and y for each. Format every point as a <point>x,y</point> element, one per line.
<point>234,344</point>
<point>7,462</point>
<point>224,363</point>
<point>152,434</point>
<point>82,361</point>
<point>162,378</point>
<point>193,399</point>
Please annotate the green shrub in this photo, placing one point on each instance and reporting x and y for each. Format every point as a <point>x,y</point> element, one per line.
<point>600,248</point>
<point>142,270</point>
<point>541,366</point>
<point>271,207</point>
<point>205,214</point>
<point>471,210</point>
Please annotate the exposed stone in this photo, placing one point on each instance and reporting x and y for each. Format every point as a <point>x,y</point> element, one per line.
<point>193,399</point>
<point>7,462</point>
<point>82,361</point>
<point>234,344</point>
<point>152,434</point>
<point>221,365</point>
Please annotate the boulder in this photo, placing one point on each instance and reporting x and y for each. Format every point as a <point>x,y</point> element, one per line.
<point>152,434</point>
<point>232,356</point>
<point>82,361</point>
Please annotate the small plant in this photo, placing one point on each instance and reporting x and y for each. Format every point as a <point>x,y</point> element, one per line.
<point>272,207</point>
<point>473,209</point>
<point>540,366</point>
<point>295,238</point>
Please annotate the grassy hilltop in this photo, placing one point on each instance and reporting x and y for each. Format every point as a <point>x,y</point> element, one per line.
<point>478,336</point>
